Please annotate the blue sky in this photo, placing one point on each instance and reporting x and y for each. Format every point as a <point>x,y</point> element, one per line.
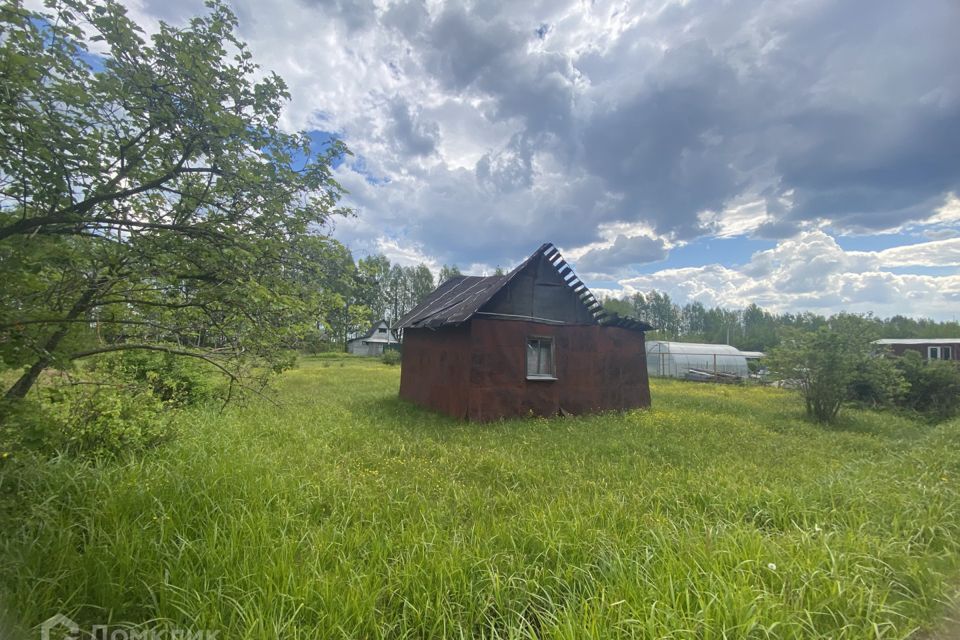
<point>801,155</point>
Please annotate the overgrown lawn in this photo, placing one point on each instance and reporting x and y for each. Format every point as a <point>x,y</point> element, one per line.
<point>348,513</point>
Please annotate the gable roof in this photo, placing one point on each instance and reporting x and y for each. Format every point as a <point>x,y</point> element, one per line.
<point>458,299</point>
<point>373,329</point>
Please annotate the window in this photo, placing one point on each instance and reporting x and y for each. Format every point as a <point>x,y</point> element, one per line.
<point>940,353</point>
<point>381,330</point>
<point>540,365</point>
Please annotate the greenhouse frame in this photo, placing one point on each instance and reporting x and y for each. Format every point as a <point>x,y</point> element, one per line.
<point>692,360</point>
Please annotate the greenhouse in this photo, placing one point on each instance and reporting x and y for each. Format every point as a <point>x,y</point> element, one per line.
<point>694,361</point>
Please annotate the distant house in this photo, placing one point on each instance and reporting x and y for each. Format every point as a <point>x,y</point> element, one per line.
<point>533,341</point>
<point>373,343</point>
<point>929,348</point>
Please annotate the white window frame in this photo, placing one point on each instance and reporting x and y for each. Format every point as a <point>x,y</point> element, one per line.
<point>552,375</point>
<point>937,353</point>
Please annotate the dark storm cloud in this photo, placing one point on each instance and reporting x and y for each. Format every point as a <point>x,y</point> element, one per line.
<point>625,250</point>
<point>669,147</point>
<point>856,106</point>
<point>409,131</point>
<point>492,58</point>
<point>509,168</point>
<point>847,112</point>
<point>407,17</point>
<point>354,14</point>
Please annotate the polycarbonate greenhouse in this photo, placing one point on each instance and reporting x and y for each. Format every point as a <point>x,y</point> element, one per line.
<point>685,359</point>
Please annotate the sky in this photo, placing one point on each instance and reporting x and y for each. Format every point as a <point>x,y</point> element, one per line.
<point>799,154</point>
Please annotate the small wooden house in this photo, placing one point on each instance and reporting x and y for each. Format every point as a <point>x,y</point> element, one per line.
<point>374,342</point>
<point>929,348</point>
<point>533,341</point>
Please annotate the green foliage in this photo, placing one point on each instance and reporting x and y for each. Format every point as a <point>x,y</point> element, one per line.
<point>175,381</point>
<point>391,357</point>
<point>753,328</point>
<point>933,386</point>
<point>349,513</point>
<point>105,418</point>
<point>824,364</point>
<point>877,382</point>
<point>315,341</point>
<point>153,202</point>
<point>108,420</point>
<point>447,272</point>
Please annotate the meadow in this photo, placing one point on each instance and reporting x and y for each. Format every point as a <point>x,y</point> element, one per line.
<point>348,513</point>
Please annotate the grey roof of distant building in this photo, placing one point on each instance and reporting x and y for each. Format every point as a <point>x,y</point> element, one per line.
<point>373,330</point>
<point>917,341</point>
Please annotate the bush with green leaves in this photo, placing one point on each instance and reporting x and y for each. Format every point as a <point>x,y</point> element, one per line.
<point>934,386</point>
<point>84,420</point>
<point>825,363</point>
<point>174,380</point>
<point>877,383</point>
<point>391,357</point>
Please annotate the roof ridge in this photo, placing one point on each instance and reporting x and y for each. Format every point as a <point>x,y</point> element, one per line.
<point>460,304</point>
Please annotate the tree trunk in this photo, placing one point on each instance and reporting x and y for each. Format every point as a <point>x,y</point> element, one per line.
<point>22,386</point>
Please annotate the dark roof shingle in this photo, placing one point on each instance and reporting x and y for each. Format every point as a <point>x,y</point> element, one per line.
<point>459,298</point>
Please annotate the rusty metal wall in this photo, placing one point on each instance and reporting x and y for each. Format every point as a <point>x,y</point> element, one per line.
<point>598,368</point>
<point>478,370</point>
<point>435,369</point>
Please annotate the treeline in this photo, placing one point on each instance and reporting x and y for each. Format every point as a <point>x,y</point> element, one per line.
<point>753,328</point>
<point>354,294</point>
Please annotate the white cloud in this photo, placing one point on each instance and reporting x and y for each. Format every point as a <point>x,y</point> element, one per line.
<point>406,256</point>
<point>938,253</point>
<point>689,118</point>
<point>949,213</point>
<point>812,272</point>
<point>620,131</point>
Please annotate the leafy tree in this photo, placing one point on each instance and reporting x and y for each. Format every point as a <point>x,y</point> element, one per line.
<point>374,272</point>
<point>420,282</point>
<point>447,272</point>
<point>396,291</point>
<point>332,277</point>
<point>878,382</point>
<point>694,319</point>
<point>619,307</point>
<point>152,202</point>
<point>658,309</point>
<point>823,364</point>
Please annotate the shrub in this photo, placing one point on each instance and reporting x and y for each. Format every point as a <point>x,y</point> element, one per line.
<point>314,342</point>
<point>831,365</point>
<point>175,380</point>
<point>391,357</point>
<point>85,420</point>
<point>934,386</point>
<point>877,382</point>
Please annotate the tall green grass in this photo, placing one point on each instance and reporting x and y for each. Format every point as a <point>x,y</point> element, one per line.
<point>348,513</point>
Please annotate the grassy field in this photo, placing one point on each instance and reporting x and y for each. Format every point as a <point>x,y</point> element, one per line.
<point>719,513</point>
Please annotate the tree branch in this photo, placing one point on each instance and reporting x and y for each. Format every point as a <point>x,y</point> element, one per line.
<point>70,214</point>
<point>234,378</point>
